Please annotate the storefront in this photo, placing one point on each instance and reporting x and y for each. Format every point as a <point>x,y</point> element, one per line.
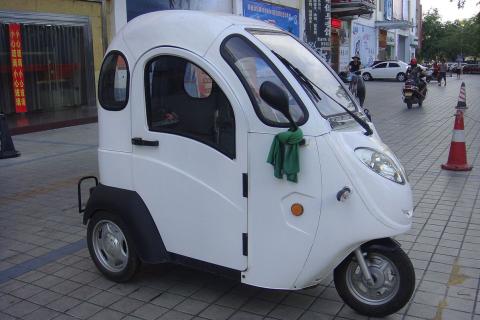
<point>340,45</point>
<point>352,37</point>
<point>49,60</point>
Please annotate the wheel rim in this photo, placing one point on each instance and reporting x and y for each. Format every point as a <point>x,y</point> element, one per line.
<point>401,77</point>
<point>110,246</point>
<point>386,280</point>
<point>366,77</point>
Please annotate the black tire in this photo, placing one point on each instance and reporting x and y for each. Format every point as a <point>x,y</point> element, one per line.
<point>409,104</point>
<point>401,77</point>
<point>367,76</point>
<point>132,262</point>
<point>400,297</point>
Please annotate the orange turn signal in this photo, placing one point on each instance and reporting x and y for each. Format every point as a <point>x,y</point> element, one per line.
<point>297,209</point>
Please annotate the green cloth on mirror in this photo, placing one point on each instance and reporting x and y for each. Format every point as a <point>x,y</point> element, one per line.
<point>284,156</point>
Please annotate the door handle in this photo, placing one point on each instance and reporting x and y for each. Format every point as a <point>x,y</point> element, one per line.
<point>148,143</point>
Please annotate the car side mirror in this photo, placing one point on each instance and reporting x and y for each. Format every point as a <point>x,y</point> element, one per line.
<point>277,98</point>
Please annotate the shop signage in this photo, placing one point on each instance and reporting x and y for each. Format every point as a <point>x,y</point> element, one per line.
<point>388,10</point>
<point>17,67</point>
<point>336,23</point>
<point>317,26</point>
<point>405,10</point>
<point>397,9</point>
<point>284,17</point>
<point>363,43</point>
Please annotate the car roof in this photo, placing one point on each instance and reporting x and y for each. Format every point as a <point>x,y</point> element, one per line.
<point>189,29</point>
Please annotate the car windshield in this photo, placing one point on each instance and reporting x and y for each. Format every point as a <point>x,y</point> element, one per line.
<point>331,92</point>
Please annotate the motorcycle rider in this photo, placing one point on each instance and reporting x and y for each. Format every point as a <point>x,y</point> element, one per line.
<point>415,72</point>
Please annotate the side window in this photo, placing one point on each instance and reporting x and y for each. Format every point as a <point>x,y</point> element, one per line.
<point>113,82</point>
<point>380,66</point>
<point>254,69</point>
<point>394,65</point>
<point>183,99</point>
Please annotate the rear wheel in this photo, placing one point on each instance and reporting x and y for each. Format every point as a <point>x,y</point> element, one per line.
<point>393,281</point>
<point>409,104</point>
<point>401,77</point>
<point>367,76</point>
<point>111,247</point>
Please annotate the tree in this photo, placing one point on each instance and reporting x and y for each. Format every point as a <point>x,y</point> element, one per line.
<point>447,40</point>
<point>461,3</point>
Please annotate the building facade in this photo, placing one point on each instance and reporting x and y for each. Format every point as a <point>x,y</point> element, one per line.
<point>51,50</point>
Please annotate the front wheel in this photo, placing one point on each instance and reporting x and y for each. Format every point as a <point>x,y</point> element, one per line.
<point>111,247</point>
<point>393,281</point>
<point>409,104</point>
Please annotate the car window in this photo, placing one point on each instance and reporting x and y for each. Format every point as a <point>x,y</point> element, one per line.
<point>113,82</point>
<point>393,65</point>
<point>380,65</point>
<point>254,69</point>
<point>181,98</point>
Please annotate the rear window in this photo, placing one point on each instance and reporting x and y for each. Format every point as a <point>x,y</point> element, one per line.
<point>113,82</point>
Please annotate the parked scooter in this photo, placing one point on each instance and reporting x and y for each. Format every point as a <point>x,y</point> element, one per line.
<point>414,92</point>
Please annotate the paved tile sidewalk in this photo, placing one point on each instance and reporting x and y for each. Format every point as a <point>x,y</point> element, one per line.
<point>41,235</point>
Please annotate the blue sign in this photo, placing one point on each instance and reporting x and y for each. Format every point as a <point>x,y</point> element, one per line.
<point>285,18</point>
<point>388,9</point>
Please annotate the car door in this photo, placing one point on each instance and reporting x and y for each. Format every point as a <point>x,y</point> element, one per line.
<point>393,70</point>
<point>379,70</point>
<point>188,156</point>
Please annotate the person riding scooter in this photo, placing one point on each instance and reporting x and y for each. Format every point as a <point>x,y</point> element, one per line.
<point>416,73</point>
<point>415,87</point>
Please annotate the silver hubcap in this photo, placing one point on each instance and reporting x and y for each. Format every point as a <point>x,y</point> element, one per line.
<point>385,280</point>
<point>110,246</point>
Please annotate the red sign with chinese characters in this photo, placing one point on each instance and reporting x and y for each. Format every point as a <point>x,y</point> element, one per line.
<point>17,68</point>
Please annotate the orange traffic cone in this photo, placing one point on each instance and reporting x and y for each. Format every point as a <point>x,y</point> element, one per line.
<point>457,158</point>
<point>462,98</point>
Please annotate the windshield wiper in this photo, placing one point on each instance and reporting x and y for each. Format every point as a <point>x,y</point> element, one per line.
<point>300,76</point>
<point>310,85</point>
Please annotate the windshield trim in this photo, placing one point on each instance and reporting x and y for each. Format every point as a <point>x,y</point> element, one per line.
<point>254,31</point>
<point>229,59</point>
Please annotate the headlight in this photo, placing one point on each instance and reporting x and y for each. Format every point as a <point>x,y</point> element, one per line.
<point>381,164</point>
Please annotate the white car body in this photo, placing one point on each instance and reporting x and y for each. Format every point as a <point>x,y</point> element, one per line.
<point>194,193</point>
<point>392,70</point>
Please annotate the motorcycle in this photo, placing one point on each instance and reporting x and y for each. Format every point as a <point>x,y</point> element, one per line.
<point>413,93</point>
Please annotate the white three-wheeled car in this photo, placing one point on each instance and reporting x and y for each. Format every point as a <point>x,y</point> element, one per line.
<point>189,104</point>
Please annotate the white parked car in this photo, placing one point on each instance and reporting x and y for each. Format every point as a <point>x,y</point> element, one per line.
<point>386,70</point>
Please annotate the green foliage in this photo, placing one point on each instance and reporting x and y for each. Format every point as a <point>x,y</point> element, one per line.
<point>446,40</point>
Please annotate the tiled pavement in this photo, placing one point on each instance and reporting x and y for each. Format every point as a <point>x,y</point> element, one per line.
<point>45,272</point>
